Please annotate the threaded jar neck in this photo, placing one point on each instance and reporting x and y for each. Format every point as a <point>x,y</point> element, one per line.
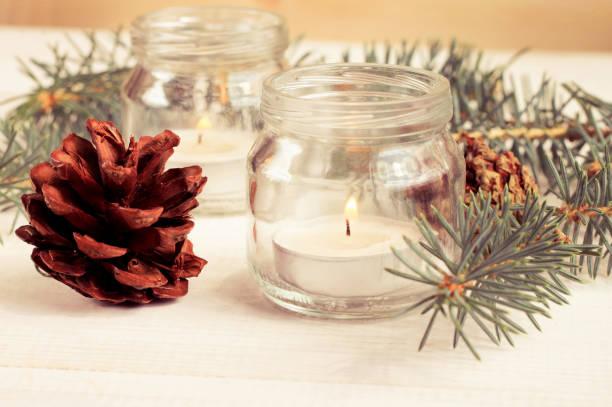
<point>357,101</point>
<point>209,37</point>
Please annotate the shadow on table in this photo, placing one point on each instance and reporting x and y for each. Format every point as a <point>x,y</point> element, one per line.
<point>239,290</point>
<point>28,292</point>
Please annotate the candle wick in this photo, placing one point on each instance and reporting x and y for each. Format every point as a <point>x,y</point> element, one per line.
<point>199,137</point>
<point>348,227</point>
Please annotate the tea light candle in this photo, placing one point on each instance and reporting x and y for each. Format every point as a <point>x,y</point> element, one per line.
<point>341,257</point>
<point>221,153</point>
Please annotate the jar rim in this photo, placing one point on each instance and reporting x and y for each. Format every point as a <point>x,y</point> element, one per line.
<point>357,99</point>
<point>209,35</point>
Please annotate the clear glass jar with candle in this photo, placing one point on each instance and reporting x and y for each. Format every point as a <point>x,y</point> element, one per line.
<point>349,156</point>
<point>199,73</point>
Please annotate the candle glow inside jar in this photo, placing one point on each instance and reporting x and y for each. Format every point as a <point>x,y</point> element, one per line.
<point>199,73</point>
<point>336,257</point>
<point>350,156</point>
<point>222,155</point>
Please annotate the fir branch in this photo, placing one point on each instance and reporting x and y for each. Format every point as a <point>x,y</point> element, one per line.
<point>585,192</point>
<point>77,84</point>
<point>81,81</point>
<point>15,162</point>
<point>513,258</point>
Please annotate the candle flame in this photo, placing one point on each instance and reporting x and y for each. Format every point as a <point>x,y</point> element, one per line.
<point>350,209</point>
<point>204,123</point>
<point>350,213</point>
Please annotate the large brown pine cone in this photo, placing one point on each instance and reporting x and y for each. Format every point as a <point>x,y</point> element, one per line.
<point>109,222</point>
<point>491,172</point>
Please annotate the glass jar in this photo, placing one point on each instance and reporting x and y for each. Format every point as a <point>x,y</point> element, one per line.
<point>349,156</point>
<point>199,73</point>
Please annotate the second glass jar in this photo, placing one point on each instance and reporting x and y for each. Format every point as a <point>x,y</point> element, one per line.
<point>199,73</point>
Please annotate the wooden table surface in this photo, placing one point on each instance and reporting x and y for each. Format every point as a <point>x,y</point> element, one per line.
<point>224,344</point>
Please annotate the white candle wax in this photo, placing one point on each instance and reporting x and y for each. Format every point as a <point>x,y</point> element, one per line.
<point>221,153</point>
<point>318,257</point>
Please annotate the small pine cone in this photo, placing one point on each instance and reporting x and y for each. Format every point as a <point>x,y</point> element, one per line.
<point>491,172</point>
<point>109,222</point>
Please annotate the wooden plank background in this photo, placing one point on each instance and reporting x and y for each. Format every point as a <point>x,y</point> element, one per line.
<point>546,24</point>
